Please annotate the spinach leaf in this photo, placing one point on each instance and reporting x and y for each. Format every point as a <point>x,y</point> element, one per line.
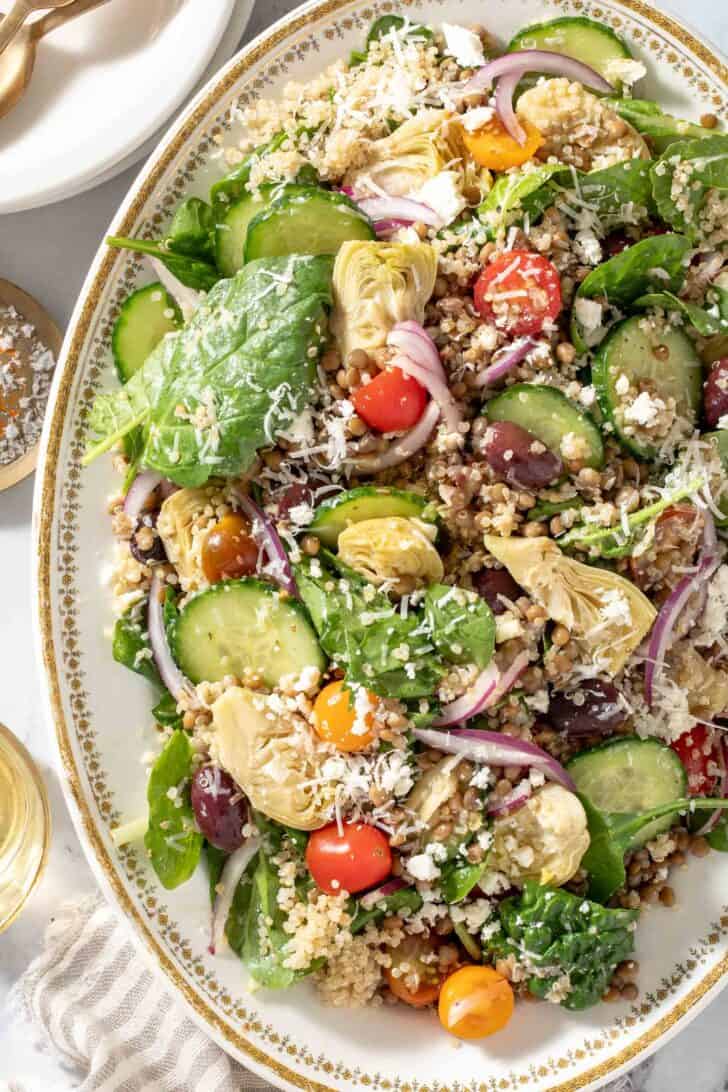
<point>558,933</point>
<point>459,877</point>
<point>172,840</point>
<point>192,231</point>
<point>516,194</point>
<point>661,129</point>
<point>617,194</point>
<point>461,623</point>
<point>657,262</point>
<point>404,899</point>
<point>362,631</point>
<point>215,860</point>
<point>190,271</point>
<point>682,176</point>
<point>235,183</point>
<point>165,712</point>
<point>244,364</point>
<point>385,23</point>
<point>718,836</point>
<point>130,647</point>
<point>706,324</point>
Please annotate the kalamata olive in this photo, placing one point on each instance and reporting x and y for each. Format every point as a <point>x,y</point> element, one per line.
<point>589,708</point>
<point>715,393</point>
<point>521,459</point>
<point>220,808</point>
<point>618,241</point>
<point>491,584</point>
<point>145,544</point>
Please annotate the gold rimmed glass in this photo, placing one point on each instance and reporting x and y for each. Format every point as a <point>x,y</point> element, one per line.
<point>24,826</point>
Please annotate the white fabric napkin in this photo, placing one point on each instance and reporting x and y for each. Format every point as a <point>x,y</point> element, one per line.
<point>92,997</point>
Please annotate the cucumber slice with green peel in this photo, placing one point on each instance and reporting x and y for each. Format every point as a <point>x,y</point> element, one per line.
<point>578,37</point>
<point>232,228</point>
<point>720,440</point>
<point>646,352</point>
<point>366,502</point>
<point>552,418</point>
<point>145,317</point>
<point>631,775</point>
<point>238,626</point>
<point>312,221</point>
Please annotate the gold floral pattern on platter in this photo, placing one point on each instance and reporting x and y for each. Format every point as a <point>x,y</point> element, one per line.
<point>234,1019</point>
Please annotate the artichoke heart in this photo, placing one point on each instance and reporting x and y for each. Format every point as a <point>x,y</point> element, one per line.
<point>177,530</point>
<point>393,550</point>
<point>606,614</point>
<point>272,761</point>
<point>544,840</point>
<point>434,788</point>
<point>377,285</point>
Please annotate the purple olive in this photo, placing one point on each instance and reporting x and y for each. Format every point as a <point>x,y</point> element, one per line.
<point>592,707</point>
<point>519,457</point>
<point>220,807</point>
<point>490,584</point>
<point>715,393</point>
<point>139,541</point>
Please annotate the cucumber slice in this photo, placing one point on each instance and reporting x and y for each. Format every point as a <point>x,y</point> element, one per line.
<point>629,775</point>
<point>244,625</point>
<point>720,441</point>
<point>366,502</point>
<point>232,229</point>
<point>145,317</point>
<point>578,37</point>
<point>550,416</point>
<point>312,221</point>
<point>629,350</point>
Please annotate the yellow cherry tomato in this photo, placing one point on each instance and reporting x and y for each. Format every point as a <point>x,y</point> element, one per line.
<point>496,149</point>
<point>475,1002</point>
<point>334,718</point>
<point>412,978</point>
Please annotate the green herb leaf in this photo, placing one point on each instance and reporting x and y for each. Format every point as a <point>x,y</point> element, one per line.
<point>172,840</point>
<point>130,647</point>
<point>702,165</point>
<point>461,623</point>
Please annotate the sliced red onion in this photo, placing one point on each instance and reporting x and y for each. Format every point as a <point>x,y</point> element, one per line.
<point>511,358</point>
<point>504,106</point>
<point>437,387</point>
<point>401,449</point>
<point>536,60</point>
<point>512,801</point>
<point>486,691</point>
<point>268,539</point>
<point>386,228</point>
<point>662,633</point>
<point>495,749</point>
<point>370,900</point>
<point>167,488</point>
<point>177,683</point>
<point>139,492</point>
<point>230,877</point>
<point>187,299</point>
<point>398,208</point>
<point>413,340</point>
<point>721,789</point>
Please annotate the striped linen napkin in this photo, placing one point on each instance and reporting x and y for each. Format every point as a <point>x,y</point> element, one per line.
<point>106,1015</point>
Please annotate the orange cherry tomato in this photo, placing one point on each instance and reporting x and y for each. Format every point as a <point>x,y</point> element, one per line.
<point>493,147</point>
<point>358,858</point>
<point>229,550</point>
<point>392,401</point>
<point>518,291</point>
<point>334,718</point>
<point>410,978</point>
<point>475,1002</point>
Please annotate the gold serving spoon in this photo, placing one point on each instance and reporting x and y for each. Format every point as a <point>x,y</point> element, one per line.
<point>18,60</point>
<point>19,12</point>
<point>48,333</point>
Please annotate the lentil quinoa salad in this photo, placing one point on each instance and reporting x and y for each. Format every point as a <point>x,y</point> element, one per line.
<point>422,437</point>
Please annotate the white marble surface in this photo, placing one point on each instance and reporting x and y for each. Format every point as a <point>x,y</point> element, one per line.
<point>48,251</point>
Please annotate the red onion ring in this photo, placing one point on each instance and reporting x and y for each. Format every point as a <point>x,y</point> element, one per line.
<point>401,449</point>
<point>536,60</point>
<point>488,688</point>
<point>437,387</point>
<point>413,340</point>
<point>139,492</point>
<point>386,228</point>
<point>504,107</point>
<point>177,683</point>
<point>370,900</point>
<point>495,749</point>
<point>230,877</point>
<point>398,208</point>
<point>512,801</point>
<point>721,789</point>
<point>511,359</point>
<point>268,540</point>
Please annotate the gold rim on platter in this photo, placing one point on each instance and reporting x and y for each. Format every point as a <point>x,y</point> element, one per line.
<point>45,511</point>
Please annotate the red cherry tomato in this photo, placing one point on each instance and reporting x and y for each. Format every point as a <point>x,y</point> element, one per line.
<point>392,401</point>
<point>352,861</point>
<point>519,292</point>
<point>697,749</point>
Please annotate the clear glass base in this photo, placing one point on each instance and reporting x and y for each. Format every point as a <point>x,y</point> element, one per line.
<point>24,826</point>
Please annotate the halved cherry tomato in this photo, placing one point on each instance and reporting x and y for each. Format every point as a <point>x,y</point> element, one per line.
<point>392,401</point>
<point>519,291</point>
<point>229,550</point>
<point>352,861</point>
<point>493,147</point>
<point>334,718</point>
<point>698,751</point>
<point>410,977</point>
<point>475,1002</point>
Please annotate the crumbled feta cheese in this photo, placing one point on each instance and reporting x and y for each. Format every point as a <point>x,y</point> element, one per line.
<point>589,314</point>
<point>625,69</point>
<point>442,194</point>
<point>422,867</point>
<point>587,248</point>
<point>477,118</point>
<point>644,410</point>
<point>464,45</point>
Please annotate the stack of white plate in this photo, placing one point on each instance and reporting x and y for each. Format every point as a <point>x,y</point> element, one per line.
<point>104,89</point>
